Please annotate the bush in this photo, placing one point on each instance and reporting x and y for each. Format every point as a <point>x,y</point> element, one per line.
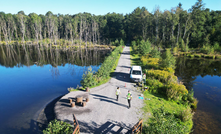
<point>176,91</point>
<point>185,115</point>
<point>168,60</point>
<point>194,104</point>
<point>175,51</point>
<point>150,62</point>
<point>91,79</point>
<point>163,76</point>
<point>197,55</point>
<point>155,86</point>
<point>88,78</point>
<point>58,127</point>
<point>155,53</point>
<point>164,122</point>
<point>144,47</point>
<point>216,47</point>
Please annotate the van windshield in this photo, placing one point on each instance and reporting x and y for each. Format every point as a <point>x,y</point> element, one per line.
<point>136,72</point>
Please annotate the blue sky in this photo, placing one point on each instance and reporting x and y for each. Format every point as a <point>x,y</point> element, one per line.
<point>97,7</point>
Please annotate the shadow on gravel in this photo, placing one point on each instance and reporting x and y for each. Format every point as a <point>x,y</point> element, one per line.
<point>108,99</point>
<point>125,53</point>
<point>105,128</point>
<point>125,77</point>
<point>126,67</point>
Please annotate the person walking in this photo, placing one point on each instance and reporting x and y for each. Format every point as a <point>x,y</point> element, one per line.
<point>129,98</point>
<point>118,93</point>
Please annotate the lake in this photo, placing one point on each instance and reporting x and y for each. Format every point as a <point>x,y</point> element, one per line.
<point>32,76</point>
<point>203,76</point>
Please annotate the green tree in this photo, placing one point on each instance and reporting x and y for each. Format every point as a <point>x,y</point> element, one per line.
<point>168,60</point>
<point>144,47</point>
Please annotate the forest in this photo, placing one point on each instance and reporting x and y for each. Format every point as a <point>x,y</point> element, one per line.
<point>196,27</point>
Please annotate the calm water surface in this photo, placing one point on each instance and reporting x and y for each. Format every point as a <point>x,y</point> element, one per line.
<point>30,77</point>
<point>203,76</point>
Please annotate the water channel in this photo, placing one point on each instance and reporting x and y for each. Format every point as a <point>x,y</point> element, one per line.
<point>32,76</point>
<point>203,76</point>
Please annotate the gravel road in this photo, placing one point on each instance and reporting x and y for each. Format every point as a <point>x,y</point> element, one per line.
<point>103,114</point>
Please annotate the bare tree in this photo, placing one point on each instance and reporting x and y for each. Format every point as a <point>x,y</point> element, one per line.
<point>22,21</point>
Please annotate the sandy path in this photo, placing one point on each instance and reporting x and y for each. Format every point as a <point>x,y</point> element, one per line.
<point>103,114</point>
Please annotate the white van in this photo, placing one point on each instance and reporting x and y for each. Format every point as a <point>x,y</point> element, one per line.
<point>136,74</point>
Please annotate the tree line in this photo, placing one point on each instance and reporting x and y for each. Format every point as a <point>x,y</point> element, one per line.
<point>195,27</point>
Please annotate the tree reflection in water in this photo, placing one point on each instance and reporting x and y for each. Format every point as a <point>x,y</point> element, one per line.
<point>28,55</point>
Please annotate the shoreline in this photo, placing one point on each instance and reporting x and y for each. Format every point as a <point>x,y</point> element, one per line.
<point>46,114</point>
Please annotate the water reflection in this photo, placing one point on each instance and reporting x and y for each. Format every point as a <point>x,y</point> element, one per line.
<point>31,76</point>
<point>203,76</point>
<point>28,55</point>
<point>20,55</point>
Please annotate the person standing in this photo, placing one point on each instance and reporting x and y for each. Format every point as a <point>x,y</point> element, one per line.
<point>129,98</point>
<point>117,92</point>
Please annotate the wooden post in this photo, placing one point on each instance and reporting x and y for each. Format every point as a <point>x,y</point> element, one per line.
<point>72,104</point>
<point>84,104</point>
<point>70,100</point>
<point>87,89</point>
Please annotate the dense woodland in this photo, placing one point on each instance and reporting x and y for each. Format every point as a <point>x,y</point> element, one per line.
<point>196,27</point>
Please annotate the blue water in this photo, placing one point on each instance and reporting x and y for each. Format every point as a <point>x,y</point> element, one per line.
<point>26,90</point>
<point>204,77</point>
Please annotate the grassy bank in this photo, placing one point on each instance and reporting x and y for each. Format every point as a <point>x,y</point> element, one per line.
<point>92,79</point>
<point>59,44</point>
<point>167,103</point>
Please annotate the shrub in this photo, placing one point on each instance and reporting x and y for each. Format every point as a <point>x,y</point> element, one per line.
<point>121,42</point>
<point>164,122</point>
<point>218,56</point>
<point>175,50</point>
<point>116,43</point>
<point>91,79</point>
<point>58,127</point>
<point>144,47</point>
<point>155,53</point>
<point>175,91</point>
<point>168,60</point>
<point>185,115</point>
<point>150,62</point>
<point>155,86</point>
<point>197,55</point>
<point>163,76</point>
<point>88,78</point>
<point>216,46</point>
<point>194,104</point>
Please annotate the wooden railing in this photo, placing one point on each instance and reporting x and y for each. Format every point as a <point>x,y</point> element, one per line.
<point>137,129</point>
<point>76,126</point>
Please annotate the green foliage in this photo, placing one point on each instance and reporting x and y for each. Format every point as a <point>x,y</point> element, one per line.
<point>88,78</point>
<point>116,43</point>
<point>175,50</point>
<point>58,127</point>
<point>122,43</point>
<point>163,122</point>
<point>168,60</point>
<point>150,62</point>
<point>155,86</point>
<point>155,53</point>
<point>144,47</point>
<point>163,76</point>
<point>197,55</point>
<point>216,47</point>
<point>175,91</point>
<point>185,115</point>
